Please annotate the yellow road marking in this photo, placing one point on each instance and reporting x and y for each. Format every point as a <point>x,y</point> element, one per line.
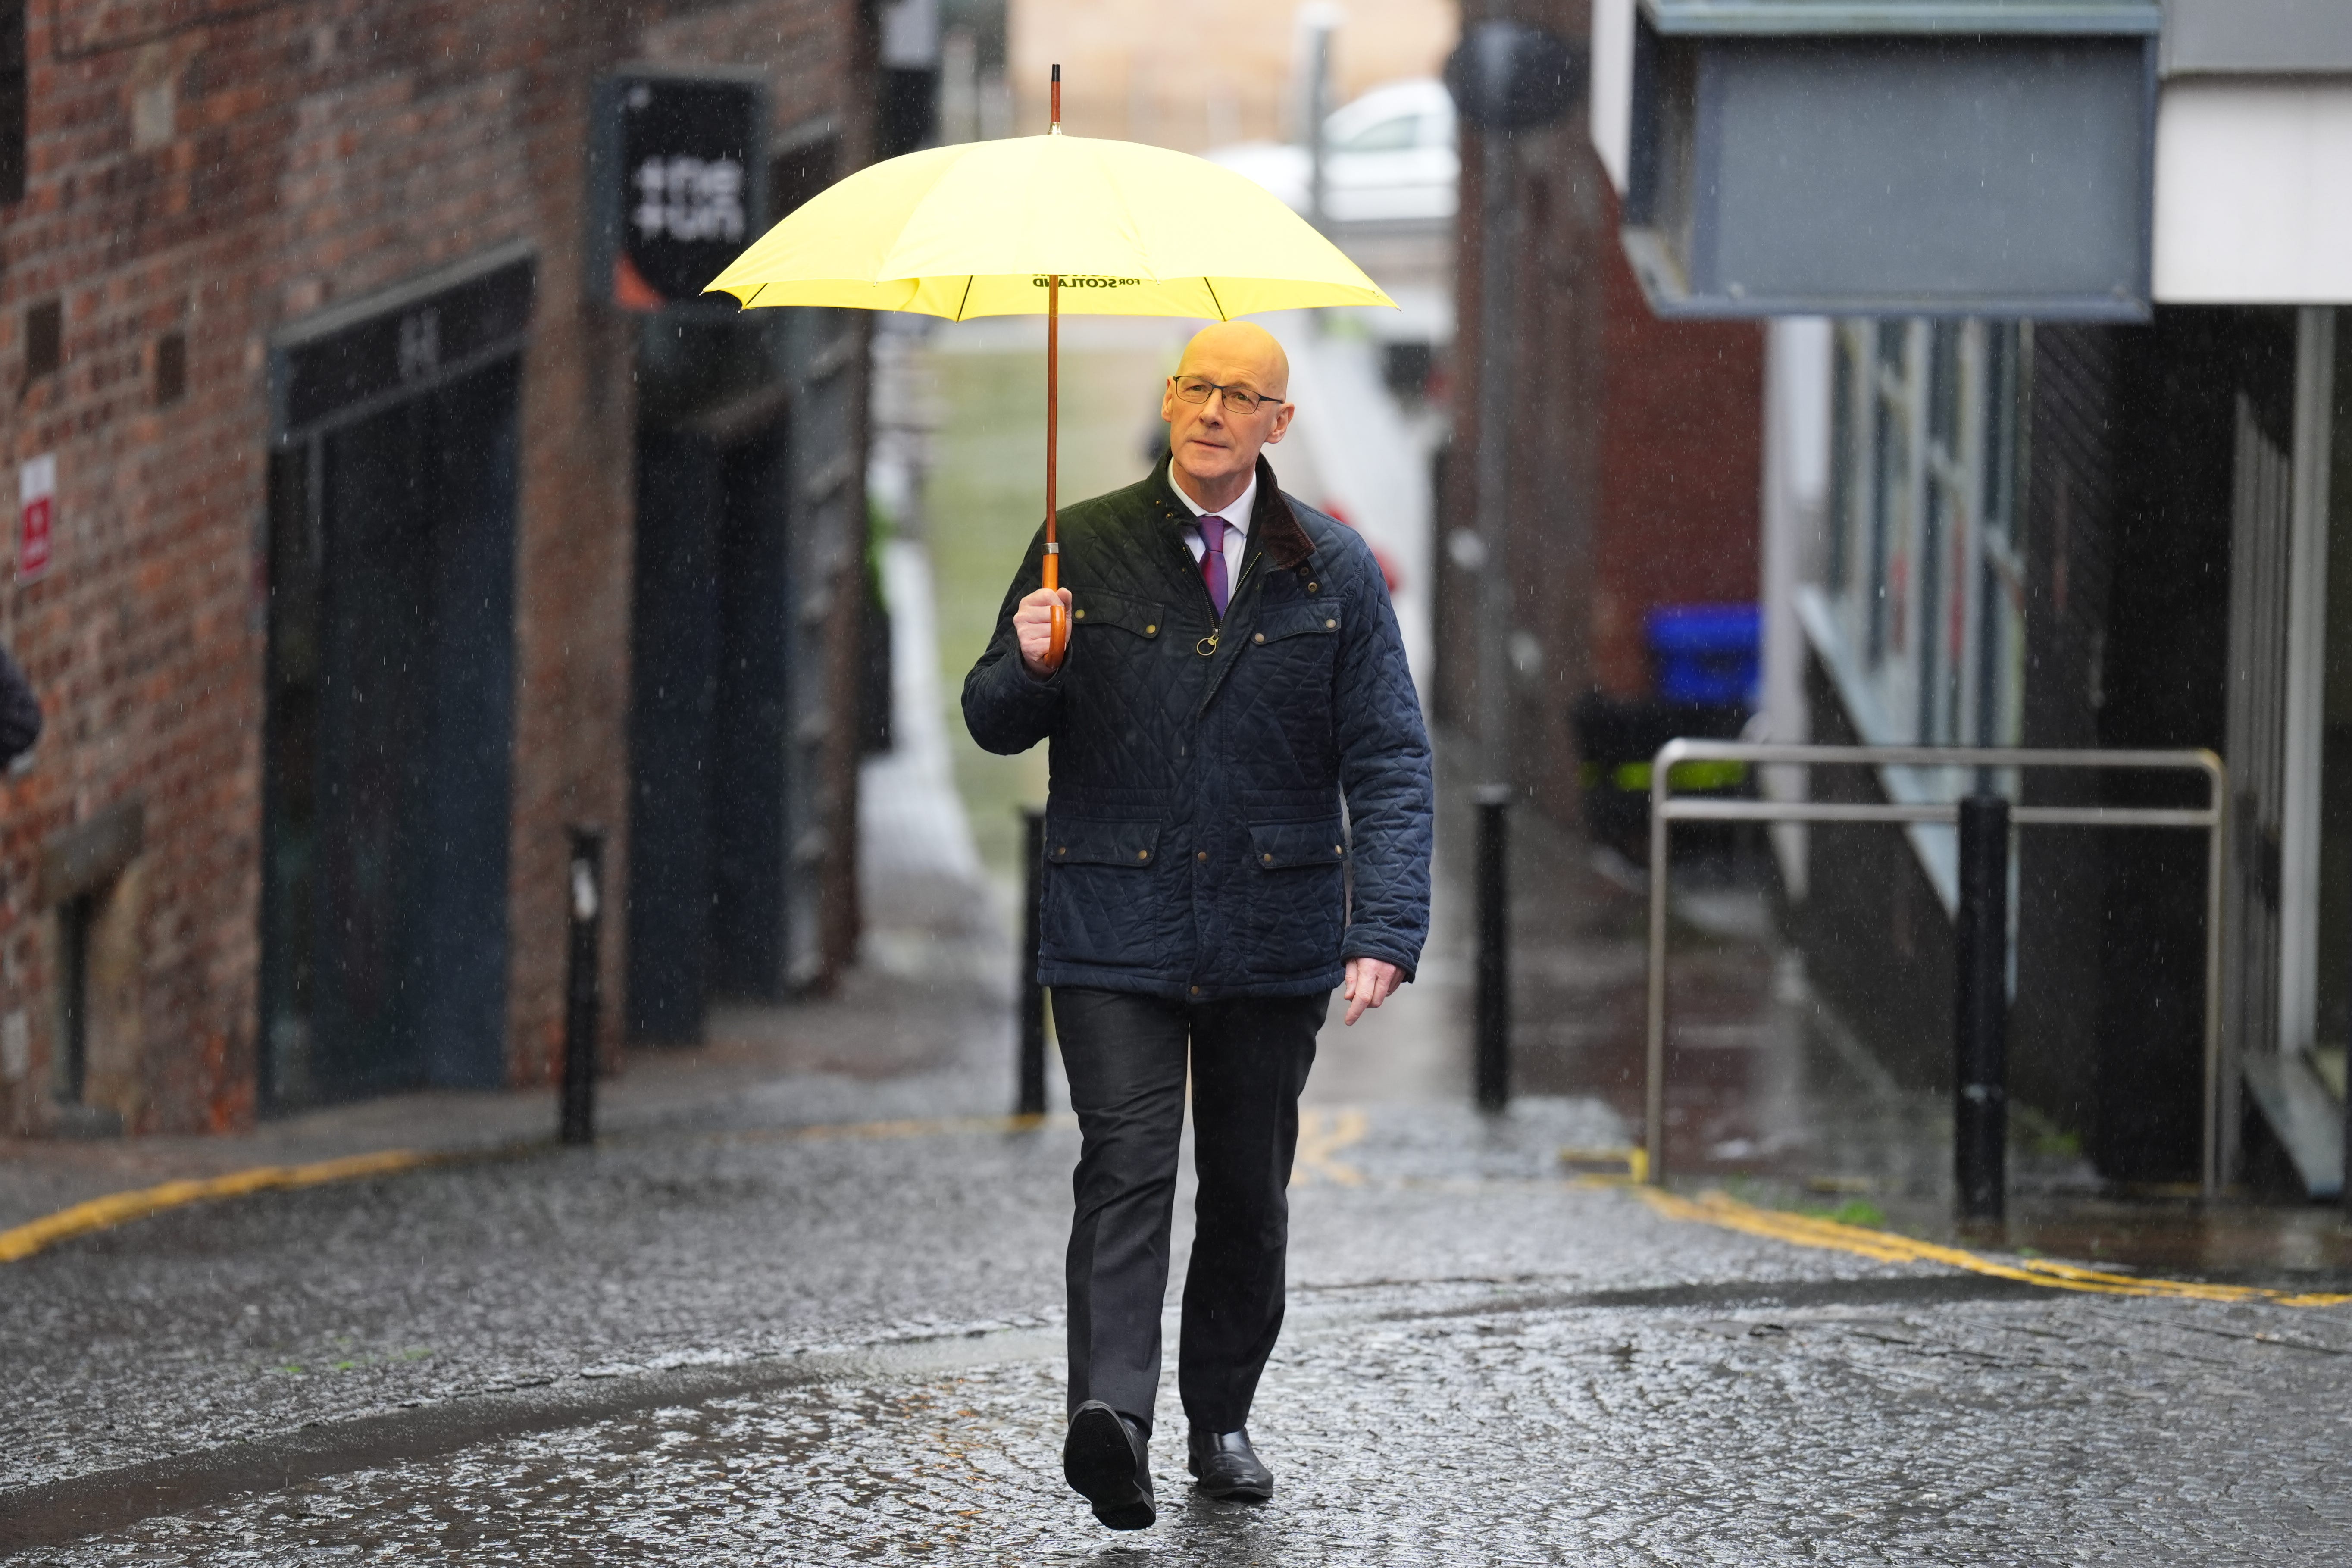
<point>120,1209</point>
<point>1884,1247</point>
<point>1321,1135</point>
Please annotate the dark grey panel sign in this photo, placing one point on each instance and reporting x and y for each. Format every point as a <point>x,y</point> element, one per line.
<point>1894,175</point>
<point>2268,37</point>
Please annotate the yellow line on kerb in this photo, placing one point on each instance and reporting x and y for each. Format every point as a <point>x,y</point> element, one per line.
<point>1884,1247</point>
<point>119,1208</point>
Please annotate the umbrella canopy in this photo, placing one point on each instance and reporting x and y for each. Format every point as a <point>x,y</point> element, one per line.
<point>1047,224</point>
<point>978,229</point>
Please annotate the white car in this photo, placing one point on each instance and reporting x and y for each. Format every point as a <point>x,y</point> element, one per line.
<point>1389,157</point>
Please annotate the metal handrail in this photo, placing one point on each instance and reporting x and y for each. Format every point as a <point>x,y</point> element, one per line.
<point>1665,810</point>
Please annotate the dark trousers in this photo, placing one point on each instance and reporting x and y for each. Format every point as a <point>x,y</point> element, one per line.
<point>1127,1056</point>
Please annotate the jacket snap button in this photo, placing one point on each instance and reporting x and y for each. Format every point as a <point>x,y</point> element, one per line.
<point>1143,854</point>
<point>1330,625</point>
<point>1080,614</point>
<point>1314,587</point>
<point>1151,631</point>
<point>1196,991</point>
<point>1061,849</point>
<point>1260,637</point>
<point>1199,855</point>
<point>1336,850</point>
<point>1268,859</point>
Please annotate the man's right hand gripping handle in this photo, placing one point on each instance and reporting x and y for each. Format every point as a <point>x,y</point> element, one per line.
<point>1033,626</point>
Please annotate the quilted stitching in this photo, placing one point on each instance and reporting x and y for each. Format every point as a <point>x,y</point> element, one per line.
<point>1199,786</point>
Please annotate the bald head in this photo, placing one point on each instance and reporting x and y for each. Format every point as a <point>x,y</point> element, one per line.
<point>1244,352</point>
<point>1213,444</point>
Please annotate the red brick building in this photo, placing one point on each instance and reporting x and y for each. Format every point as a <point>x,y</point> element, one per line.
<point>335,637</point>
<point>1635,454</point>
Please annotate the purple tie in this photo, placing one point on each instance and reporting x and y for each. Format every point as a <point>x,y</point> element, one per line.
<point>1212,562</point>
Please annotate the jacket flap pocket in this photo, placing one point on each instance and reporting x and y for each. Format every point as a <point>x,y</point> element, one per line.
<point>1084,841</point>
<point>1279,846</point>
<point>1277,622</point>
<point>1094,607</point>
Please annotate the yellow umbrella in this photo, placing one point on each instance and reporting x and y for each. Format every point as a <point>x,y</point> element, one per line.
<point>1048,223</point>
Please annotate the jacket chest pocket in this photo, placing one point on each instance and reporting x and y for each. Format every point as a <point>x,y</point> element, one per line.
<point>1298,632</point>
<point>1091,841</point>
<point>1095,609</point>
<point>1285,674</point>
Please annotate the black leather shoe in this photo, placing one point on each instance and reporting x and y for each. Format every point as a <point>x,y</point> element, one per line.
<point>1228,1467</point>
<point>1105,1460</point>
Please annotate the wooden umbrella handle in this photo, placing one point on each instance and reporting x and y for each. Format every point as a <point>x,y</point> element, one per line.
<point>1058,641</point>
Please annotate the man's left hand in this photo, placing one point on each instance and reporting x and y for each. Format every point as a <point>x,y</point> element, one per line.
<point>1370,983</point>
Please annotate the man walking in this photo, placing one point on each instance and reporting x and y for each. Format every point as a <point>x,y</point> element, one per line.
<point>1239,821</point>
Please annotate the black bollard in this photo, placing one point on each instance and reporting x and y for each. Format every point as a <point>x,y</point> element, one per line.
<point>1980,1009</point>
<point>1494,1007</point>
<point>578,1122</point>
<point>1032,1102</point>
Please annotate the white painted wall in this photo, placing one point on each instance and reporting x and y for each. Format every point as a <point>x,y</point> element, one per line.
<point>1611,98</point>
<point>2253,191</point>
<point>2307,670</point>
<point>1795,505</point>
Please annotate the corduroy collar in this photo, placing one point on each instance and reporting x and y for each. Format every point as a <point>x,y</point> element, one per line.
<point>1273,525</point>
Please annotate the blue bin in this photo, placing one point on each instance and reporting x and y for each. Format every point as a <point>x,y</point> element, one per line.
<point>1705,653</point>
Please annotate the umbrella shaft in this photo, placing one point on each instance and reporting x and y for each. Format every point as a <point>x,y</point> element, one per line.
<point>1053,407</point>
<point>1057,642</point>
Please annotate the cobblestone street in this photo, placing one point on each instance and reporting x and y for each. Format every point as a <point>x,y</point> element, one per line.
<point>814,1348</point>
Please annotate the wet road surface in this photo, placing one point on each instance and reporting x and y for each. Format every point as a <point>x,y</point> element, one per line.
<point>745,1346</point>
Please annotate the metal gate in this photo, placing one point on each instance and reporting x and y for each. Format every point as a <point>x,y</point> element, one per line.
<point>1667,809</point>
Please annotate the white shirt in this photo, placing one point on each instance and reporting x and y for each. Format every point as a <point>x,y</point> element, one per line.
<point>1237,521</point>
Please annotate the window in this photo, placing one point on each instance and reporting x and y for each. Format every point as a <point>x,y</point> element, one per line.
<point>45,338</point>
<point>171,369</point>
<point>1925,583</point>
<point>1383,136</point>
<point>14,101</point>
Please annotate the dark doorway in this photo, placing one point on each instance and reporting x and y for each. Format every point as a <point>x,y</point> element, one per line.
<point>391,729</point>
<point>74,920</point>
<point>709,844</point>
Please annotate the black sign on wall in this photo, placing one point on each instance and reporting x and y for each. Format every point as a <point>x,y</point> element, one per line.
<point>676,182</point>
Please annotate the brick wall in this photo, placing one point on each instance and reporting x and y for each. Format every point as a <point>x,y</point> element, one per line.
<point>1682,464</point>
<point>1635,448</point>
<point>221,171</point>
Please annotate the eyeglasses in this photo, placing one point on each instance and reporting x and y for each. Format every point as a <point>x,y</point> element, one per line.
<point>1239,399</point>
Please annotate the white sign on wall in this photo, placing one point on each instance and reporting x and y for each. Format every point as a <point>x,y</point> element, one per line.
<point>36,515</point>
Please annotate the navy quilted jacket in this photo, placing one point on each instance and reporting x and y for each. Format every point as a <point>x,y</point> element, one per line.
<point>1235,810</point>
